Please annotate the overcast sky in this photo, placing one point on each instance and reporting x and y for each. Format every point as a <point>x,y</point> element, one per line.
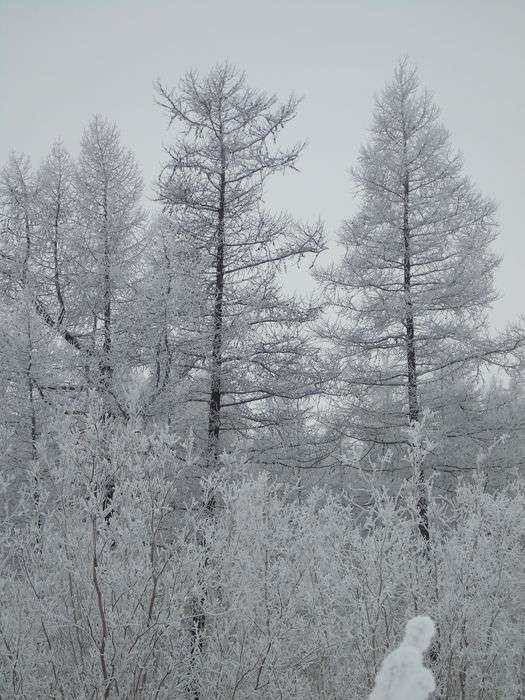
<point>63,61</point>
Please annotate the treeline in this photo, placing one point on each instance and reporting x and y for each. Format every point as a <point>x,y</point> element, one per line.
<point>181,315</point>
<point>175,328</point>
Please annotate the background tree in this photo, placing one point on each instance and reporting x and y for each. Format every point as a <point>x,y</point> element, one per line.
<point>108,188</point>
<point>57,226</point>
<point>168,352</point>
<point>18,197</point>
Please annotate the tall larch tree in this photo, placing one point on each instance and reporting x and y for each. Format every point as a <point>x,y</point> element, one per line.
<point>412,292</point>
<point>213,182</point>
<point>108,188</point>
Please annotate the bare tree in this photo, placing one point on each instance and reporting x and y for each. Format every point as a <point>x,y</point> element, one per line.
<point>168,353</point>
<point>412,291</point>
<point>214,180</point>
<point>57,230</point>
<point>253,346</point>
<point>18,196</point>
<point>108,188</point>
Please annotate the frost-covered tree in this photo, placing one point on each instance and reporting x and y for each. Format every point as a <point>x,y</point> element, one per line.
<point>57,226</point>
<point>72,248</point>
<point>38,233</point>
<point>20,350</point>
<point>108,188</point>
<point>167,301</point>
<point>69,252</point>
<point>253,345</point>
<point>18,200</point>
<point>411,294</point>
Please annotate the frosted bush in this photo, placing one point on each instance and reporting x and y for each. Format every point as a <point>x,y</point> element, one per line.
<point>402,675</point>
<point>302,597</point>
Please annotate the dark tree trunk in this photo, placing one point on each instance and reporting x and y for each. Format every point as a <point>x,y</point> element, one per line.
<point>413,404</point>
<point>413,401</point>
<point>56,264</point>
<point>214,414</point>
<point>214,410</point>
<point>105,365</point>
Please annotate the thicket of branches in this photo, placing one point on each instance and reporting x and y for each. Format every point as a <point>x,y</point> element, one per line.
<point>303,595</point>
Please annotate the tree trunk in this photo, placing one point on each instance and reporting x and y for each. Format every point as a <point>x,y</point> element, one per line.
<point>214,415</point>
<point>105,366</point>
<point>413,402</point>
<point>56,264</point>
<point>214,412</point>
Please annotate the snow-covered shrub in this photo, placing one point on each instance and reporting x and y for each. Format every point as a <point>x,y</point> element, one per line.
<point>402,675</point>
<point>302,597</point>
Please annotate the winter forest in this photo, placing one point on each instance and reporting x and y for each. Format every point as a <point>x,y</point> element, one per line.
<point>221,483</point>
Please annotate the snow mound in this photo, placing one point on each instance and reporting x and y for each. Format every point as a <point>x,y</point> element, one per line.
<point>402,675</point>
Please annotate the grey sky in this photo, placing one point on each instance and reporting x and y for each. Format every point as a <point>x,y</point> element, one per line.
<point>62,61</point>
